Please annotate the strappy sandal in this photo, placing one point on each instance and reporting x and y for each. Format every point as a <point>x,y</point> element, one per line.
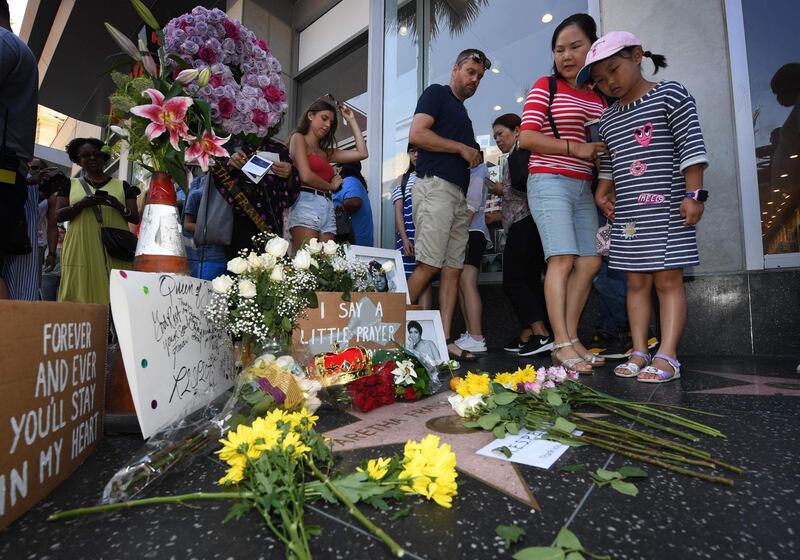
<point>462,356</point>
<point>590,358</point>
<point>570,363</point>
<point>631,368</point>
<point>663,376</point>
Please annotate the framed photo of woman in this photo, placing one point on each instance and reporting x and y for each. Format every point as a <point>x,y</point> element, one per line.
<point>425,336</point>
<point>378,278</point>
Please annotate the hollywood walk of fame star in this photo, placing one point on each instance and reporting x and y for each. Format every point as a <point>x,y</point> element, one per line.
<point>759,385</point>
<point>403,421</point>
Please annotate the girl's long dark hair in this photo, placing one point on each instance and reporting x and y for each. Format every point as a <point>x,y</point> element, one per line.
<point>584,22</point>
<point>327,142</point>
<point>411,167</point>
<point>659,60</point>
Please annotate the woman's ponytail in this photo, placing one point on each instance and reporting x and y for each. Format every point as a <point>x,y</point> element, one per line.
<point>659,60</point>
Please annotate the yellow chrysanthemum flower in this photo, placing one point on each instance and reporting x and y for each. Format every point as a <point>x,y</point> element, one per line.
<point>474,384</point>
<point>294,441</point>
<point>431,470</point>
<point>296,419</point>
<point>235,473</point>
<point>238,444</point>
<point>377,468</point>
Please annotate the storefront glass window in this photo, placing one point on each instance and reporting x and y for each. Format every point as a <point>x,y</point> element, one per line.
<point>773,60</point>
<point>514,34</point>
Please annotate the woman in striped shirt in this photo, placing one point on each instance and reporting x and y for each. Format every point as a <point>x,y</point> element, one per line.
<point>559,186</point>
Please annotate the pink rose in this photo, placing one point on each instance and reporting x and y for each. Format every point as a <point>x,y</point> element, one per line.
<point>273,94</point>
<point>231,29</point>
<point>215,81</point>
<point>207,54</point>
<point>260,118</point>
<point>225,107</point>
<point>262,45</point>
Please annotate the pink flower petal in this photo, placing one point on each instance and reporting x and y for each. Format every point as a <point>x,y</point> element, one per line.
<point>152,112</point>
<point>154,130</point>
<point>177,107</point>
<point>155,96</point>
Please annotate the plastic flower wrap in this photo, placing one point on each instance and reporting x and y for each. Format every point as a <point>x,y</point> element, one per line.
<point>245,91</point>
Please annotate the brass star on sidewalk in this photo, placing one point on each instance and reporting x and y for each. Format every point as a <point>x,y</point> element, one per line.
<point>754,385</point>
<point>401,421</point>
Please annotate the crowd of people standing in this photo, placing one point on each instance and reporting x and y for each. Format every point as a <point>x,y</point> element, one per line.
<point>594,134</point>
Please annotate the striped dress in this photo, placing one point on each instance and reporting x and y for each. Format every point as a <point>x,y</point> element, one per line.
<point>651,142</point>
<point>21,272</point>
<point>409,263</point>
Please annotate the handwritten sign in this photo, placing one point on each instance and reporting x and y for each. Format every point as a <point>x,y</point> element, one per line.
<point>370,319</point>
<point>528,448</point>
<point>175,359</point>
<point>51,396</point>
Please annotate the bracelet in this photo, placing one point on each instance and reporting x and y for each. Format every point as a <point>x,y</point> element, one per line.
<point>126,213</point>
<point>567,146</point>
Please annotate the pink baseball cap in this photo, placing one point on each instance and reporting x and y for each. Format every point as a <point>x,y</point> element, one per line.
<point>607,45</point>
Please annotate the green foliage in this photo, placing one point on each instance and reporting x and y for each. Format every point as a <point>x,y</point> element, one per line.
<point>617,479</point>
<point>567,547</point>
<point>509,533</point>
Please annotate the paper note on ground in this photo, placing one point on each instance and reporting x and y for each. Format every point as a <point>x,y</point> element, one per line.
<point>528,448</point>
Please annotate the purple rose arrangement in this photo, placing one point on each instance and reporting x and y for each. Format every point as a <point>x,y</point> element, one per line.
<point>245,91</point>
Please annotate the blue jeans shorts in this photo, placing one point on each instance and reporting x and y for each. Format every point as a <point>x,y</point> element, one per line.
<point>313,211</point>
<point>564,211</point>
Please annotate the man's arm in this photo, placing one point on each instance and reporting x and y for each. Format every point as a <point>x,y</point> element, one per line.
<point>423,137</point>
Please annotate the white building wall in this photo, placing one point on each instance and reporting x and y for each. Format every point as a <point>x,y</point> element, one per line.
<point>692,35</point>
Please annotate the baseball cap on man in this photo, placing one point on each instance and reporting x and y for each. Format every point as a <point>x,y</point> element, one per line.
<point>606,46</point>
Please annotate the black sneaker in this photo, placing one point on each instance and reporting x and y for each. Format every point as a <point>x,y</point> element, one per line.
<point>601,340</point>
<point>513,345</point>
<point>536,345</point>
<point>620,348</point>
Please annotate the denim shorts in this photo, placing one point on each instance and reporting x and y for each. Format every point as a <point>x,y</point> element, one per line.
<point>313,211</point>
<point>564,211</point>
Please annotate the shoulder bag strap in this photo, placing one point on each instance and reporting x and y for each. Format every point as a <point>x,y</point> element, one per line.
<point>404,184</point>
<point>553,86</point>
<point>96,210</point>
<point>236,193</point>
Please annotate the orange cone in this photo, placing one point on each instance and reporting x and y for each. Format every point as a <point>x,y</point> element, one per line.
<point>160,247</point>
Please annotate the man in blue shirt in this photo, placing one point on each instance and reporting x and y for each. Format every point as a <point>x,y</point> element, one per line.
<point>353,196</point>
<point>443,133</point>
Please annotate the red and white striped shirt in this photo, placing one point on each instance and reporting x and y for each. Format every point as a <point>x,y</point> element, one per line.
<point>571,109</point>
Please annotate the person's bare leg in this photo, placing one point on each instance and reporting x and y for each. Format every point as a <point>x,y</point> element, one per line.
<point>640,287</point>
<point>472,307</point>
<point>559,268</point>
<point>672,307</point>
<point>538,328</point>
<point>448,292</point>
<point>420,280</point>
<point>4,290</point>
<point>579,285</point>
<point>426,298</point>
<point>302,234</point>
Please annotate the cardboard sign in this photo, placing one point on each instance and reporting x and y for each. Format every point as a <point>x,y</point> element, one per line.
<point>51,396</point>
<point>528,448</point>
<point>176,361</point>
<point>369,319</point>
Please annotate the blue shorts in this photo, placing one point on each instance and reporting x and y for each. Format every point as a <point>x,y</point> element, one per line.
<point>564,211</point>
<point>313,211</point>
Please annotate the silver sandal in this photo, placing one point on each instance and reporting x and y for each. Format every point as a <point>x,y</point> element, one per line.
<point>590,357</point>
<point>632,369</point>
<point>663,376</point>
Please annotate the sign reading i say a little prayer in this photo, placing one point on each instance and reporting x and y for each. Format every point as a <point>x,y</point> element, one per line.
<point>175,359</point>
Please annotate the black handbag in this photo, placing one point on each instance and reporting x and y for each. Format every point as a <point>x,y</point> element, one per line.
<point>119,243</point>
<point>344,226</point>
<point>14,239</point>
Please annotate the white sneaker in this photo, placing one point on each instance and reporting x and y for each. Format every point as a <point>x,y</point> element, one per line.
<point>470,344</point>
<point>463,338</point>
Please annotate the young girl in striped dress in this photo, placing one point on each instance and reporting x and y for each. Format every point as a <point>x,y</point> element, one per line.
<point>651,186</point>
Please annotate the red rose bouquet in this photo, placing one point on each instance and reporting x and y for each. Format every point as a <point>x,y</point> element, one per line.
<point>374,390</point>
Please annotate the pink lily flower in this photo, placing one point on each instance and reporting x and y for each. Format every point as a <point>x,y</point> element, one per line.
<point>165,116</point>
<point>208,145</point>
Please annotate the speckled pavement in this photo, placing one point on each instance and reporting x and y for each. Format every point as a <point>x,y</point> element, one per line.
<point>674,517</point>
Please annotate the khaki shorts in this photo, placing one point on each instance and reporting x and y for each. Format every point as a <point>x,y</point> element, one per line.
<point>440,219</point>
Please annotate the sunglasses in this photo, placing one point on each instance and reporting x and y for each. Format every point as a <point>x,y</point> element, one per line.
<point>330,98</point>
<point>476,56</point>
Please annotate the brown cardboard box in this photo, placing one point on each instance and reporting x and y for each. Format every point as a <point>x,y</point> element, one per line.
<point>51,396</point>
<point>370,319</point>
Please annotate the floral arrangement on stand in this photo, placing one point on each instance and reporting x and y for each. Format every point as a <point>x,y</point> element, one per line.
<point>279,462</point>
<point>204,85</point>
<point>551,399</point>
